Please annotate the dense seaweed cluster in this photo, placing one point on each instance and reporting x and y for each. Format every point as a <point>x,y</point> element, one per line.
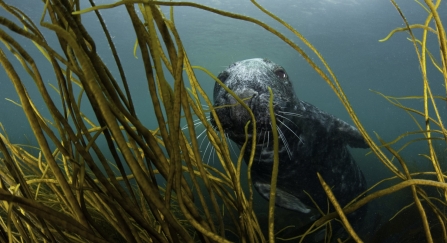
<point>68,191</point>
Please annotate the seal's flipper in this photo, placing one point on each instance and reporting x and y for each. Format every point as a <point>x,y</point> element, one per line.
<point>351,135</point>
<point>337,128</point>
<point>283,198</point>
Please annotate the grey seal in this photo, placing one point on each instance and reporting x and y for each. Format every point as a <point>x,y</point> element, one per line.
<point>311,140</point>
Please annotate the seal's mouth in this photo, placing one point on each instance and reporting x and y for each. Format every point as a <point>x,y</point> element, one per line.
<point>234,117</point>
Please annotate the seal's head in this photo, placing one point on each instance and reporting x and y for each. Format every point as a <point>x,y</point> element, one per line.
<point>249,80</point>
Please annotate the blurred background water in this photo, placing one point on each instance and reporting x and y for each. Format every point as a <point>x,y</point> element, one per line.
<point>346,33</point>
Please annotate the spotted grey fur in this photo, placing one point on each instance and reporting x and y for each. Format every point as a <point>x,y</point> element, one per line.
<point>311,140</point>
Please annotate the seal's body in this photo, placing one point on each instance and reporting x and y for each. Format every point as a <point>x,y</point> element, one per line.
<point>310,141</point>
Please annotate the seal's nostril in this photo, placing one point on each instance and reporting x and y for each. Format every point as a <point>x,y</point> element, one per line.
<point>252,101</point>
<point>246,93</point>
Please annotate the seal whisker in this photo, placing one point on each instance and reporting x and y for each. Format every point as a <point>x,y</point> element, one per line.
<point>197,122</point>
<point>204,153</point>
<point>284,141</point>
<point>262,147</point>
<point>200,134</point>
<point>203,139</point>
<point>291,131</point>
<point>207,118</point>
<point>231,144</point>
<point>268,138</point>
<point>212,151</point>
<point>290,113</point>
<point>284,117</point>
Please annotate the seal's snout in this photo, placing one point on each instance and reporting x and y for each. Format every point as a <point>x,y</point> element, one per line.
<point>246,93</point>
<point>239,114</point>
<point>258,102</point>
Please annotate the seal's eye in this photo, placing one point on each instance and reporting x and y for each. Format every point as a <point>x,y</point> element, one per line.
<point>280,73</point>
<point>223,76</point>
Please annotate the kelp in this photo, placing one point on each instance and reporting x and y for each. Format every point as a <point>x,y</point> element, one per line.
<point>66,189</point>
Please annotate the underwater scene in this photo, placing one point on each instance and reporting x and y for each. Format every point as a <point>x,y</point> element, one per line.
<point>223,121</point>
